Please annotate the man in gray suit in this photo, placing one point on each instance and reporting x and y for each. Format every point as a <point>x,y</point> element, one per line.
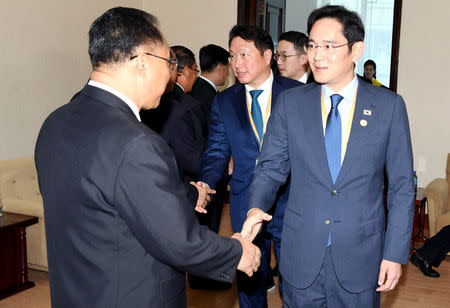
<point>120,232</point>
<point>337,137</point>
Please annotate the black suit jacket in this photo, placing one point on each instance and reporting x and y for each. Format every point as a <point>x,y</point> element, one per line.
<point>205,93</point>
<point>185,131</point>
<point>120,232</point>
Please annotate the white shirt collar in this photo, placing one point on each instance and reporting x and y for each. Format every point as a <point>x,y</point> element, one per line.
<point>304,78</point>
<point>266,85</point>
<point>125,99</point>
<point>348,92</point>
<point>209,81</point>
<point>180,86</point>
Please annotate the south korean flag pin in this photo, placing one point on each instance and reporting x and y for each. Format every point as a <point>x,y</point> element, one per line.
<point>367,112</point>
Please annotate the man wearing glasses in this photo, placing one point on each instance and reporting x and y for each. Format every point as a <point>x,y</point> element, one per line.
<point>238,119</point>
<point>336,138</point>
<point>291,57</point>
<point>120,230</point>
<point>184,121</point>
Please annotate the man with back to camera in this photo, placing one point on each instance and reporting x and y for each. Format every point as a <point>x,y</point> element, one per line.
<point>291,57</point>
<point>120,232</point>
<point>238,120</point>
<point>214,67</point>
<point>336,139</point>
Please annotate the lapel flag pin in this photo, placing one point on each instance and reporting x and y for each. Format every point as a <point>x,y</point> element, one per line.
<point>367,112</point>
<point>363,123</point>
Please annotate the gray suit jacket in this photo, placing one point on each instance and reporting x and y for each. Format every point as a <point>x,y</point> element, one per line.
<point>120,232</point>
<point>352,208</point>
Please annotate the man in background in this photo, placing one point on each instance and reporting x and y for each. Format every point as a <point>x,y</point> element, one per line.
<point>291,57</point>
<point>120,230</point>
<point>238,119</point>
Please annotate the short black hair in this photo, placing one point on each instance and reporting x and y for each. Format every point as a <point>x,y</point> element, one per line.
<point>114,36</point>
<point>258,36</point>
<point>299,39</point>
<point>185,57</point>
<point>212,55</point>
<point>350,21</point>
<point>371,62</point>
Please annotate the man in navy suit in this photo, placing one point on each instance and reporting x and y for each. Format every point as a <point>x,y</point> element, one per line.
<point>238,119</point>
<point>120,230</point>
<point>336,139</point>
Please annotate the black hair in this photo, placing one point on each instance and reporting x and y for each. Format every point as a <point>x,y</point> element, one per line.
<point>371,62</point>
<point>212,55</point>
<point>185,57</point>
<point>352,25</point>
<point>114,36</point>
<point>258,36</point>
<point>299,40</point>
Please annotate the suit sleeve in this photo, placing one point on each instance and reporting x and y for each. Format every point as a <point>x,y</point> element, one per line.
<point>400,197</point>
<point>218,152</point>
<point>150,198</point>
<point>273,165</point>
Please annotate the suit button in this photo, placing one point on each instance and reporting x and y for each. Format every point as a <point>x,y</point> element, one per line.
<point>334,192</point>
<point>327,221</point>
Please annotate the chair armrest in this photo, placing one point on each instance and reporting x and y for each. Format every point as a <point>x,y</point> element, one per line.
<point>24,207</point>
<point>437,201</point>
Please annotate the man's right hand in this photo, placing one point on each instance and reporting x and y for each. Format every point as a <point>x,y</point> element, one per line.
<point>251,256</point>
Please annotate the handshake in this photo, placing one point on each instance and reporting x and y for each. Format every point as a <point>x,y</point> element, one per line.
<point>251,254</point>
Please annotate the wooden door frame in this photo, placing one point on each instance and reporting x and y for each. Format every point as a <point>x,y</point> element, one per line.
<point>247,16</point>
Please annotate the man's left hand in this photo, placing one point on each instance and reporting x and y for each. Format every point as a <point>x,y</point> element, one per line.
<point>204,197</point>
<point>390,273</point>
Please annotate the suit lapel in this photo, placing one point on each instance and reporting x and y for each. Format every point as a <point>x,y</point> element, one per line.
<point>311,116</point>
<point>358,132</point>
<point>240,107</point>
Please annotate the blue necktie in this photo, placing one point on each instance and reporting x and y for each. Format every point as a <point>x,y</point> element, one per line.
<point>333,141</point>
<point>256,113</point>
<point>333,137</point>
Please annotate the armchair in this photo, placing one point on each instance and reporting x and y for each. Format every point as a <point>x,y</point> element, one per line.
<point>438,201</point>
<point>20,194</point>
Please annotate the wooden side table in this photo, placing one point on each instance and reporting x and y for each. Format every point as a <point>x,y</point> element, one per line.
<point>419,218</point>
<point>13,253</point>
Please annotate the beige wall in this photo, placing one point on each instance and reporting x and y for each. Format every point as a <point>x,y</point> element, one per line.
<point>424,70</point>
<point>195,23</point>
<point>44,61</point>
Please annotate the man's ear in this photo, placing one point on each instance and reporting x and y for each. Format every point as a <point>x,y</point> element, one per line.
<point>142,65</point>
<point>268,54</point>
<point>303,58</point>
<point>357,51</point>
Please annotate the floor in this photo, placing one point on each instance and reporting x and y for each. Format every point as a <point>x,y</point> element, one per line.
<point>414,290</point>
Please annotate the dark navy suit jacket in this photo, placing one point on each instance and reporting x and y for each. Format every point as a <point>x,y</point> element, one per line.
<point>352,208</point>
<point>120,232</point>
<point>230,133</point>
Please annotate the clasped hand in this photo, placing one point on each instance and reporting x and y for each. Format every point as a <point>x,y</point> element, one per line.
<point>204,197</point>
<point>251,256</point>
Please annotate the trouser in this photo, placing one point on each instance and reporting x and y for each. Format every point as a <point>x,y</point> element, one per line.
<point>326,291</point>
<point>436,248</point>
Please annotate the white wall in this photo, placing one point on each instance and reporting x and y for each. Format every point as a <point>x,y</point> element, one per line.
<point>44,60</point>
<point>194,23</point>
<point>424,68</point>
<point>297,13</point>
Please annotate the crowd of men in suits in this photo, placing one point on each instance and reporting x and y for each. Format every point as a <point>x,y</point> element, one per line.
<point>304,149</point>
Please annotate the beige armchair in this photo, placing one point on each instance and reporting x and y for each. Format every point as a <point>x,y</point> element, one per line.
<point>20,194</point>
<point>438,197</point>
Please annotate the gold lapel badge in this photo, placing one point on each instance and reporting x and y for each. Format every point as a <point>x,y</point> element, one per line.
<point>363,123</point>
